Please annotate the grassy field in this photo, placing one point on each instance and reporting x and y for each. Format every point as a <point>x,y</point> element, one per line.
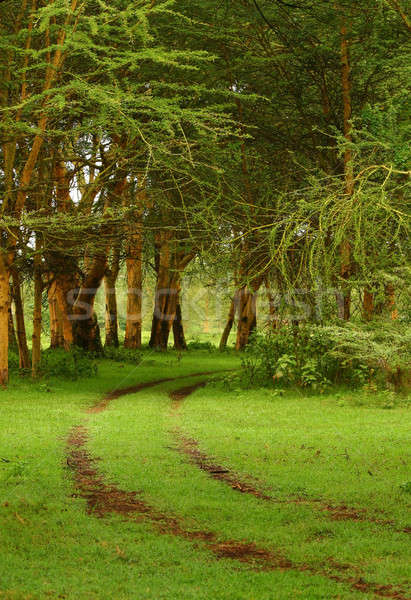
<point>308,454</point>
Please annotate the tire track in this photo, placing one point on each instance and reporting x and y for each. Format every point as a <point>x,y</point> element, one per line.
<point>247,484</point>
<point>106,498</point>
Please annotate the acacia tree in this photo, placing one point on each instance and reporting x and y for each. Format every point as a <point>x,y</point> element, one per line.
<point>71,72</point>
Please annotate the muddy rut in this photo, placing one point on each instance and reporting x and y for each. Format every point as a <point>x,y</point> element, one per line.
<point>247,484</point>
<point>104,498</point>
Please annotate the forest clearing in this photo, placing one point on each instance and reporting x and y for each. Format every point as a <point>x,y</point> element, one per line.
<point>205,316</point>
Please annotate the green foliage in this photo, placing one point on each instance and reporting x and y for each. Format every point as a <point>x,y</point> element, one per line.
<point>123,355</point>
<point>313,356</point>
<point>199,345</point>
<point>301,356</point>
<point>71,365</point>
<point>385,347</point>
<point>13,360</point>
<point>406,487</point>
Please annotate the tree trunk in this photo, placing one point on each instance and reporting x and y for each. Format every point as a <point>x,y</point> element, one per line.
<point>53,318</point>
<point>170,263</point>
<point>36,338</point>
<point>12,332</point>
<point>86,330</point>
<point>164,315</point>
<point>230,322</point>
<point>65,286</point>
<point>24,356</point>
<point>56,318</point>
<point>111,309</point>
<point>247,318</point>
<point>4,322</point>
<point>134,265</point>
<point>132,337</point>
<point>178,329</point>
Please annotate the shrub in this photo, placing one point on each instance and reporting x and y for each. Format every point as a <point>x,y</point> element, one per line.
<point>13,360</point>
<point>292,357</point>
<point>315,356</point>
<point>384,346</point>
<point>121,354</point>
<point>67,365</point>
<point>198,345</point>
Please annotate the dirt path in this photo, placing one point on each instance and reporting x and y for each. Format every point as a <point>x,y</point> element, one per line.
<point>247,484</point>
<point>104,498</point>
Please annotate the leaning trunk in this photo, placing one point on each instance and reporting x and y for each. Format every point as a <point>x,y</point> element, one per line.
<point>12,332</point>
<point>24,357</point>
<point>230,322</point>
<point>86,330</point>
<point>4,322</point>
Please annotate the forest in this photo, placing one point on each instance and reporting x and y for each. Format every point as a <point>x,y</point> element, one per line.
<point>205,284</point>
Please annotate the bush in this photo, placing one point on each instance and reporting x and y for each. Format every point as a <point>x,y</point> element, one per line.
<point>384,346</point>
<point>13,360</point>
<point>314,356</point>
<point>198,345</point>
<point>291,357</point>
<point>67,365</point>
<point>121,354</point>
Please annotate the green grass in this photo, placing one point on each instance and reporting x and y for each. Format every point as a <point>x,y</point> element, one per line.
<point>50,547</point>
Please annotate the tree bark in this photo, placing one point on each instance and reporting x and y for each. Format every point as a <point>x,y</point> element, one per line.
<point>12,332</point>
<point>178,329</point>
<point>164,314</point>
<point>110,280</point>
<point>56,318</point>
<point>86,330</point>
<point>247,317</point>
<point>24,356</point>
<point>65,286</point>
<point>170,264</point>
<point>4,322</point>
<point>134,265</point>
<point>368,305</point>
